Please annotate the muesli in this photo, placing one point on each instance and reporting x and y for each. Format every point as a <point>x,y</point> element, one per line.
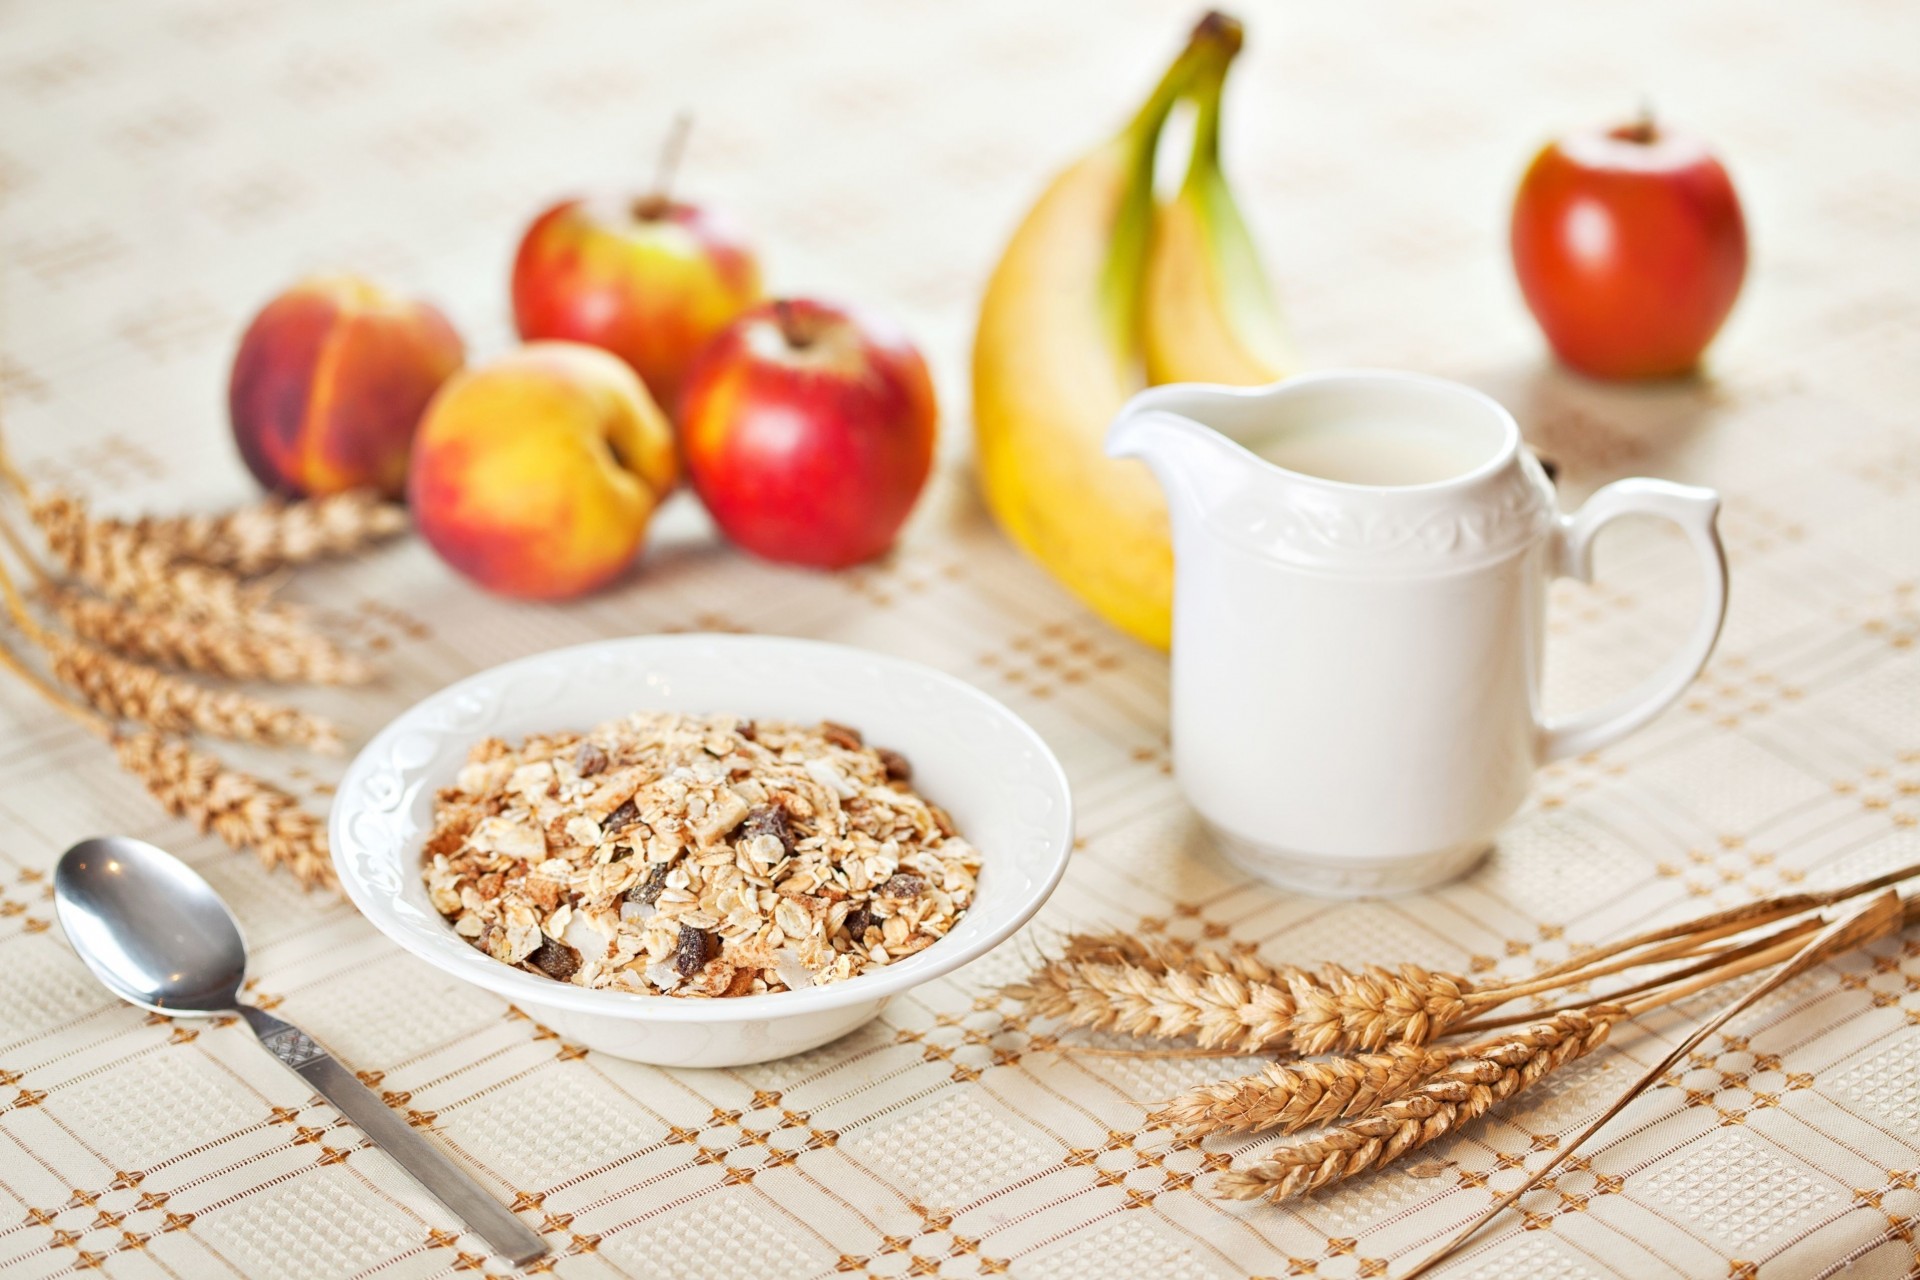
<point>666,853</point>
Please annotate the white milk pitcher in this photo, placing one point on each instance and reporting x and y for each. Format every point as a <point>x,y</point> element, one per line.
<point>1360,572</point>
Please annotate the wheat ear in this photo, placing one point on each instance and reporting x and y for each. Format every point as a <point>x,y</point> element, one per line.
<point>1308,1013</point>
<point>1160,954</point>
<point>116,561</point>
<point>127,690</point>
<point>1294,1096</point>
<point>245,811</point>
<point>275,533</point>
<point>213,648</point>
<point>1487,1073</point>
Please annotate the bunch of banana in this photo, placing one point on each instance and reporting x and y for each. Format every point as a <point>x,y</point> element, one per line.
<point>1102,289</point>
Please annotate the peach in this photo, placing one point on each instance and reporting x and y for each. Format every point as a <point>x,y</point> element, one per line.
<point>329,384</point>
<point>535,475</point>
<point>649,279</point>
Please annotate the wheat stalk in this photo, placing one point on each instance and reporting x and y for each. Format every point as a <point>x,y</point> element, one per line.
<point>1295,1096</point>
<point>116,561</point>
<point>127,690</point>
<point>274,533</point>
<point>213,648</point>
<point>1486,1073</point>
<point>1885,914</point>
<point>1305,1012</point>
<point>245,811</point>
<point>1161,954</point>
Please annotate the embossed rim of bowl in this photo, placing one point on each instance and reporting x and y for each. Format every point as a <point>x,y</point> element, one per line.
<point>428,936</point>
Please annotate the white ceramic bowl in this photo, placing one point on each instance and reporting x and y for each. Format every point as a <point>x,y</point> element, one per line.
<point>971,755</point>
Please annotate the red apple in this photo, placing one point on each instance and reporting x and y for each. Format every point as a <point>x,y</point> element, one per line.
<point>649,279</point>
<point>808,429</point>
<point>1630,248</point>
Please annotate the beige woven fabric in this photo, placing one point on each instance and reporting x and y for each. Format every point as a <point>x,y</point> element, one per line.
<point>165,166</point>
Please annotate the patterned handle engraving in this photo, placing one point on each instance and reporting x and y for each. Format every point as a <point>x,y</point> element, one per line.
<point>294,1047</point>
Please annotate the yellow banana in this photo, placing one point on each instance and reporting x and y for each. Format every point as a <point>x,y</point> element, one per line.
<point>1208,313</point>
<point>1057,353</point>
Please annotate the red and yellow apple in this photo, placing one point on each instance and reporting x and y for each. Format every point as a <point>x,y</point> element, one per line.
<point>535,475</point>
<point>808,431</point>
<point>649,279</point>
<point>1630,248</point>
<point>329,384</point>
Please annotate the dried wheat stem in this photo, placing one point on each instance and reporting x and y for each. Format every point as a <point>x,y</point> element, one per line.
<point>275,533</point>
<point>1885,914</point>
<point>1161,954</point>
<point>1306,1012</point>
<point>1719,924</point>
<point>214,648</point>
<point>115,561</point>
<point>1488,1072</point>
<point>128,690</point>
<point>1291,1097</point>
<point>85,716</point>
<point>245,811</point>
<point>23,552</point>
<point>1712,963</point>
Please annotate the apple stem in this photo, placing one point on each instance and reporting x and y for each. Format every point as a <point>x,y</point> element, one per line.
<point>656,203</point>
<point>1644,129</point>
<point>790,327</point>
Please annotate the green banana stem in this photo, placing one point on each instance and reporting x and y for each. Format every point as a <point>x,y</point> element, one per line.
<point>1249,294</point>
<point>1209,50</point>
<point>1209,87</point>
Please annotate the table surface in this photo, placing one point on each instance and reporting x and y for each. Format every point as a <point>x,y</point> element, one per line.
<point>164,167</point>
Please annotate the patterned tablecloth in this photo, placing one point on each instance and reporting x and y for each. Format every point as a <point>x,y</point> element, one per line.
<point>165,166</point>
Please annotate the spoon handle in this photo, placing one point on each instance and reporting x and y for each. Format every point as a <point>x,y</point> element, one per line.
<point>430,1167</point>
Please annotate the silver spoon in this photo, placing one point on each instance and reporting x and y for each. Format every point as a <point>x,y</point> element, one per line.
<point>159,937</point>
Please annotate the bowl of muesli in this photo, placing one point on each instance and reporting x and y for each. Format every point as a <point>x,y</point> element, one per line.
<point>702,850</point>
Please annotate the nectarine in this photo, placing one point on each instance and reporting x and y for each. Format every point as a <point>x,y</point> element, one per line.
<point>329,384</point>
<point>535,475</point>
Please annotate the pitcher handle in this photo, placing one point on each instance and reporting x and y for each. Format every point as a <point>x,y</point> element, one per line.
<point>1694,510</point>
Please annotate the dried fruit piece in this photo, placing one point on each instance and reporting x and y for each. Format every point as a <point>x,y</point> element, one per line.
<point>769,820</point>
<point>589,760</point>
<point>859,920</point>
<point>840,735</point>
<point>696,947</point>
<point>555,959</point>
<point>898,767</point>
<point>647,892</point>
<point>620,819</point>
<point>903,884</point>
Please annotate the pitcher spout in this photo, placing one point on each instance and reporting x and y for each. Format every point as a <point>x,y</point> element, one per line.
<point>1197,467</point>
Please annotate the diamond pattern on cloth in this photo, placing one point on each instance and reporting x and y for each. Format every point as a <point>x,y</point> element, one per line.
<point>280,1233</point>
<point>1352,1207</point>
<point>156,1104</point>
<point>1733,1188</point>
<point>1886,1084</point>
<point>1130,1246</point>
<point>951,1153</point>
<point>1534,1256</point>
<point>535,1133</point>
<point>718,1236</point>
<point>44,987</point>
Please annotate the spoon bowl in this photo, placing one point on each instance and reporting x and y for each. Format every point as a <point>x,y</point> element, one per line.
<point>151,930</point>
